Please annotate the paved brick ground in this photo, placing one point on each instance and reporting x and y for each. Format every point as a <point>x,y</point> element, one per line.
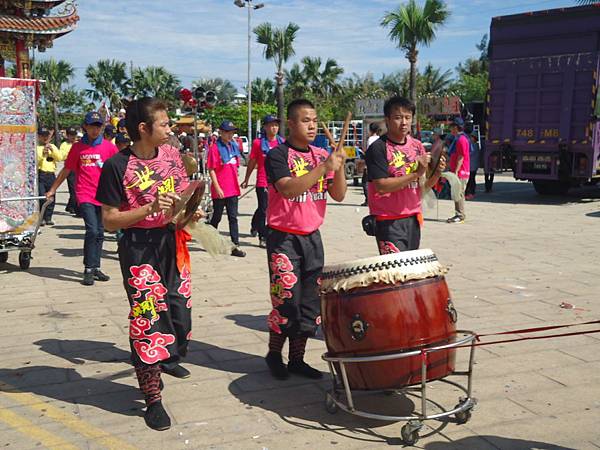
<point>65,381</point>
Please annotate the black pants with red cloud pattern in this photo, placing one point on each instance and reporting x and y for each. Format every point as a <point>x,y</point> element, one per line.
<point>159,296</point>
<point>295,268</point>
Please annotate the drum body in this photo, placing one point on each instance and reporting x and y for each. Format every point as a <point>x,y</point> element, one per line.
<point>390,316</point>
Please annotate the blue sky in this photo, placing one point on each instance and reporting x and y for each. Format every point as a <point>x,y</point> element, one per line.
<point>208,38</point>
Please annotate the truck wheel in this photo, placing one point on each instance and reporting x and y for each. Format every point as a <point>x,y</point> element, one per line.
<point>550,187</point>
<point>3,257</point>
<point>350,169</point>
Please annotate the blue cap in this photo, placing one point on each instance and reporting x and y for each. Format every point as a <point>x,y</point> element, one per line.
<point>269,119</point>
<point>122,138</point>
<point>458,122</point>
<point>122,124</point>
<point>227,125</point>
<point>93,118</point>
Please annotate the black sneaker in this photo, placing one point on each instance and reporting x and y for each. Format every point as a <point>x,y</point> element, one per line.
<point>100,276</point>
<point>238,252</point>
<point>253,232</point>
<point>301,368</point>
<point>49,222</point>
<point>156,417</point>
<point>262,243</point>
<point>276,366</point>
<point>88,278</point>
<point>176,371</point>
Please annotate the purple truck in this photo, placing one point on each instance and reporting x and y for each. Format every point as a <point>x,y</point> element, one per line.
<point>542,107</point>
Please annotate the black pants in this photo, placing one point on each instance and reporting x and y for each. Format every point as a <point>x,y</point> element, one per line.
<point>259,219</point>
<point>399,235</point>
<point>365,185</point>
<point>231,203</point>
<point>471,184</point>
<point>295,267</point>
<point>45,181</point>
<point>489,181</point>
<point>160,319</point>
<point>72,203</point>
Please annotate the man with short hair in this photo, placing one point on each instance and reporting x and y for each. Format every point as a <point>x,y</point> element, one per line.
<point>395,163</point>
<point>223,162</point>
<point>47,157</point>
<point>460,164</point>
<point>300,178</point>
<point>260,149</point>
<point>65,148</point>
<point>86,159</point>
<point>109,133</point>
<point>122,141</point>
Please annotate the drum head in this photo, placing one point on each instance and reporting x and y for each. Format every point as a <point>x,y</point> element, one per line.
<point>389,269</point>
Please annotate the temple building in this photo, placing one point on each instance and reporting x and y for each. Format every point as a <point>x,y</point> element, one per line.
<point>32,24</point>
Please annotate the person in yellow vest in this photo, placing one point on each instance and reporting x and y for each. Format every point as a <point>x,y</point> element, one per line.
<point>47,157</point>
<point>65,148</point>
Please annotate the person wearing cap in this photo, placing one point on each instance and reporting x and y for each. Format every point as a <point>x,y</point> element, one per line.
<point>65,148</point>
<point>260,149</point>
<point>47,157</point>
<point>222,163</point>
<point>86,159</point>
<point>121,126</point>
<point>122,141</point>
<point>460,164</point>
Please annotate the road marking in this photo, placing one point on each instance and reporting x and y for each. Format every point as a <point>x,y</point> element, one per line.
<point>70,421</point>
<point>29,429</point>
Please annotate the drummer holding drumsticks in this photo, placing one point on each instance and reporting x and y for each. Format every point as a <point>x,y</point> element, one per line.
<point>395,164</point>
<point>300,178</point>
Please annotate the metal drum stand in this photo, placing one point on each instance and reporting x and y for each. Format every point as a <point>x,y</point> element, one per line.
<point>410,431</point>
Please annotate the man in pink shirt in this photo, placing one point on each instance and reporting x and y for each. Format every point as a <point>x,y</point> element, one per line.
<point>222,162</point>
<point>260,149</point>
<point>301,178</point>
<point>86,159</point>
<point>459,164</point>
<point>395,163</point>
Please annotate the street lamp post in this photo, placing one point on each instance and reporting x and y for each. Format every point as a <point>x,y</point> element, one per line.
<point>250,6</point>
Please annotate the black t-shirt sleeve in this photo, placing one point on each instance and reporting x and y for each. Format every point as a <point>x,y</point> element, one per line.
<point>276,164</point>
<point>110,187</point>
<point>376,159</point>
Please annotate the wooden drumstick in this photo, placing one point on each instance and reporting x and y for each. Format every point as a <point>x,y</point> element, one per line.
<point>345,129</point>
<point>328,135</point>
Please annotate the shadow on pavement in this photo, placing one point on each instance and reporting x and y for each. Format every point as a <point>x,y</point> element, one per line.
<point>593,214</point>
<point>497,441</point>
<point>56,273</point>
<point>259,323</point>
<point>78,252</point>
<point>78,351</point>
<point>67,385</point>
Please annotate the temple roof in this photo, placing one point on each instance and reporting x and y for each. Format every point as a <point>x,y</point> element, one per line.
<point>39,25</point>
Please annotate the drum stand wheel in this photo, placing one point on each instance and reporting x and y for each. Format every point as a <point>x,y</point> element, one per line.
<point>334,400</point>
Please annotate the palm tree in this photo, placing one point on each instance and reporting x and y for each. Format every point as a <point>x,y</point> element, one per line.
<point>396,83</point>
<point>279,47</point>
<point>263,90</point>
<point>224,89</point>
<point>295,83</point>
<point>109,80</point>
<point>322,82</point>
<point>329,77</point>
<point>56,74</point>
<point>154,81</point>
<point>411,26</point>
<point>433,82</point>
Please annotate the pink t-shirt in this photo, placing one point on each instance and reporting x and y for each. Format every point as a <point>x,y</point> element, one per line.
<point>87,161</point>
<point>305,213</point>
<point>128,182</point>
<point>462,149</point>
<point>259,156</point>
<point>385,159</point>
<point>226,173</point>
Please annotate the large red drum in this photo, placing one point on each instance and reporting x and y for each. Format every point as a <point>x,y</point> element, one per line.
<point>384,305</point>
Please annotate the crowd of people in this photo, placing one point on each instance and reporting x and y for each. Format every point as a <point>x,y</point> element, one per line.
<point>128,177</point>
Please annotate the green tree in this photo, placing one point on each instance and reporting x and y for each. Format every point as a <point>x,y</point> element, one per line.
<point>471,87</point>
<point>238,114</point>
<point>155,81</point>
<point>433,82</point>
<point>57,74</point>
<point>295,83</point>
<point>411,26</point>
<point>279,47</point>
<point>396,83</point>
<point>224,89</point>
<point>263,91</point>
<point>323,82</point>
<point>109,80</point>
